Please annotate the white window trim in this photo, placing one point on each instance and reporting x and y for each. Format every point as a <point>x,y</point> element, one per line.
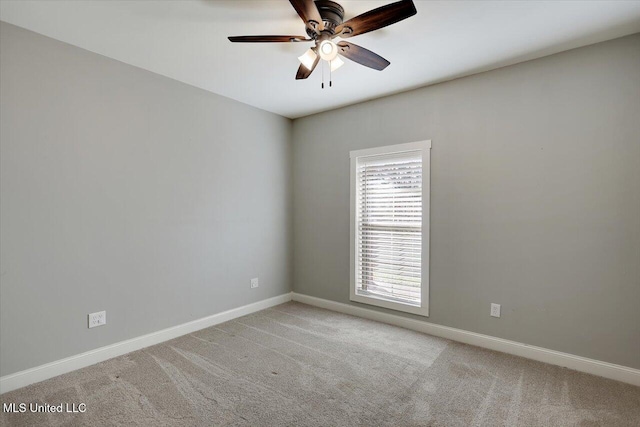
<point>425,147</point>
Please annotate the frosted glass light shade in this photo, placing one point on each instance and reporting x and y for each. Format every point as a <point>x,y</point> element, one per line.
<point>336,63</point>
<point>308,58</point>
<point>328,50</point>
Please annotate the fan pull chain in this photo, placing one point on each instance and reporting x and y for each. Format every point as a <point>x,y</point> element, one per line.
<point>322,69</point>
<point>330,78</point>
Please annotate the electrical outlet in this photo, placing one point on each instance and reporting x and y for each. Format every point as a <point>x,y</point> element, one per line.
<point>495,310</point>
<point>97,319</point>
<point>254,283</point>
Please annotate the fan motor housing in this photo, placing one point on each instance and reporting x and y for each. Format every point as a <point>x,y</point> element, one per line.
<point>332,15</point>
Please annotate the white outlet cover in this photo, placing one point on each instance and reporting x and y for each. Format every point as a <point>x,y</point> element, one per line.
<point>495,310</point>
<point>254,283</point>
<point>98,318</point>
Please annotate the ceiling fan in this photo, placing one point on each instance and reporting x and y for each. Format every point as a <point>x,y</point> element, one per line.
<point>324,22</point>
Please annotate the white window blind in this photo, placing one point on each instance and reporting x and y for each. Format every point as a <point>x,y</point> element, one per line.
<point>388,209</point>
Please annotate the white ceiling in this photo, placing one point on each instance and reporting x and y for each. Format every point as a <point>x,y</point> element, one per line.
<point>187,41</point>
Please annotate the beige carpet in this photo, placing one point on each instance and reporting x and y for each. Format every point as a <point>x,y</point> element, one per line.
<point>296,365</point>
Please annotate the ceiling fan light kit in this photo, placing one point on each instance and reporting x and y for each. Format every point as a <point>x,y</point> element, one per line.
<point>328,50</point>
<point>336,63</point>
<point>324,22</point>
<point>308,59</point>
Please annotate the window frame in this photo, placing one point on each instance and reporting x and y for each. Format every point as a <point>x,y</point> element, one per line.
<point>425,148</point>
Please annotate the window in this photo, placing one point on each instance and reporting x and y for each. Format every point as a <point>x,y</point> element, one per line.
<point>390,227</point>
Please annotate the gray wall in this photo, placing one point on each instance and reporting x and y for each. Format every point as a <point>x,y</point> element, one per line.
<point>535,198</point>
<point>132,193</point>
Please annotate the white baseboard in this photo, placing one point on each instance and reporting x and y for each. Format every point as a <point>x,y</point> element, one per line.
<point>578,363</point>
<point>59,367</point>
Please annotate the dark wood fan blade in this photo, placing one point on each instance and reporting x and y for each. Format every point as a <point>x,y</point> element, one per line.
<point>304,72</point>
<point>268,39</point>
<point>362,56</point>
<point>309,13</point>
<point>377,18</point>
